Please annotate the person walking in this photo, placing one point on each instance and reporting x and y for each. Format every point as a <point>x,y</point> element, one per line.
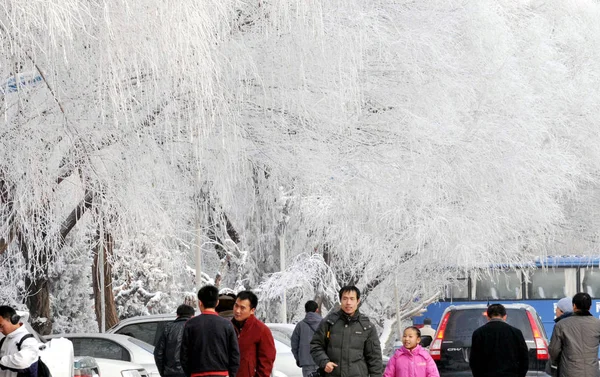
<point>166,352</point>
<point>411,360</point>
<point>209,346</point>
<point>347,340</point>
<point>257,347</point>
<point>575,339</point>
<point>427,330</point>
<point>19,350</point>
<point>302,335</point>
<point>564,309</point>
<point>497,348</point>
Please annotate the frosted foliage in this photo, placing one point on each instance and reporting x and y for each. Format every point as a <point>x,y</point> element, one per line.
<point>447,136</point>
<point>72,299</point>
<point>307,276</point>
<point>394,138</point>
<point>11,276</point>
<point>150,280</point>
<point>429,135</point>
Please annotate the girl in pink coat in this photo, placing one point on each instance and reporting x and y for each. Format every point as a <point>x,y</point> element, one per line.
<point>411,360</point>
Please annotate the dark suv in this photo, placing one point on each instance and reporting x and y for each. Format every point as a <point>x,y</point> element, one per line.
<point>451,346</point>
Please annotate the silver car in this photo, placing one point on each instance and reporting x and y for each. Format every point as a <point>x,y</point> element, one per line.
<point>114,347</point>
<point>150,327</point>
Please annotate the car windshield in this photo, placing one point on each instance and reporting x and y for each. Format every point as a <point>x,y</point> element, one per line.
<point>282,337</point>
<point>462,323</point>
<point>142,344</point>
<point>281,347</point>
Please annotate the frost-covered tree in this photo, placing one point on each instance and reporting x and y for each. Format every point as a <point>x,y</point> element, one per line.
<point>392,138</point>
<point>433,135</point>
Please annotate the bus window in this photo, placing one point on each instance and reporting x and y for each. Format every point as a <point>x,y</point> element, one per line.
<point>500,286</point>
<point>552,283</point>
<point>458,290</point>
<point>590,282</point>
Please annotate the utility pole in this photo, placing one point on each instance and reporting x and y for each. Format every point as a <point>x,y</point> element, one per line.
<point>282,268</point>
<point>198,253</point>
<point>198,237</point>
<point>398,319</point>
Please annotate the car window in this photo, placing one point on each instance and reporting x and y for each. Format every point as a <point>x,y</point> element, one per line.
<point>140,343</point>
<point>145,331</point>
<point>101,348</point>
<point>281,347</point>
<point>282,337</point>
<point>462,323</point>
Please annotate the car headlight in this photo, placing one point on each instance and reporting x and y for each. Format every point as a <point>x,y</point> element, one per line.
<point>130,373</point>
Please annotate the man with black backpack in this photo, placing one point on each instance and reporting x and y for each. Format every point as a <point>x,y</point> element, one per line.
<point>19,350</point>
<point>303,334</point>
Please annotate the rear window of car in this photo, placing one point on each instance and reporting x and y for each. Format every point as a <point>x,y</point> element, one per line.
<point>145,346</point>
<point>146,331</point>
<point>462,323</point>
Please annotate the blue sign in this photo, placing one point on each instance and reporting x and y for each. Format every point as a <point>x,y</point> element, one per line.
<point>19,82</point>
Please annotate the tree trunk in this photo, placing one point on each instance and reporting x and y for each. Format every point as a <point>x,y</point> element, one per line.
<point>110,312</point>
<point>37,288</point>
<point>38,303</point>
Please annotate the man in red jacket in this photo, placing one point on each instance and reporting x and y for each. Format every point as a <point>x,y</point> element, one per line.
<point>257,348</point>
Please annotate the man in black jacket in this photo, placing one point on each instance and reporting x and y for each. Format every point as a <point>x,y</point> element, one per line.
<point>166,352</point>
<point>209,347</point>
<point>497,348</point>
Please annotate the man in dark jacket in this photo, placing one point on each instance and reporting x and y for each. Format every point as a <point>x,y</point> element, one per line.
<point>497,348</point>
<point>574,342</point>
<point>166,352</point>
<point>302,335</point>
<point>346,343</point>
<point>257,347</point>
<point>209,346</point>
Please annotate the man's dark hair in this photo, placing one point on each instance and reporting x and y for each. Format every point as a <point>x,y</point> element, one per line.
<point>184,310</point>
<point>416,329</point>
<point>350,288</point>
<point>250,296</point>
<point>311,306</point>
<point>582,301</point>
<point>496,310</point>
<point>208,296</point>
<point>7,312</point>
<point>427,321</point>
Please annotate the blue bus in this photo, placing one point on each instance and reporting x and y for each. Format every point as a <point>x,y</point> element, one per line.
<point>540,285</point>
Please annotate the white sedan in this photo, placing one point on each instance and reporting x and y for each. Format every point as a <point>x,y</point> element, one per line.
<point>114,347</point>
<point>284,362</point>
<point>117,368</point>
